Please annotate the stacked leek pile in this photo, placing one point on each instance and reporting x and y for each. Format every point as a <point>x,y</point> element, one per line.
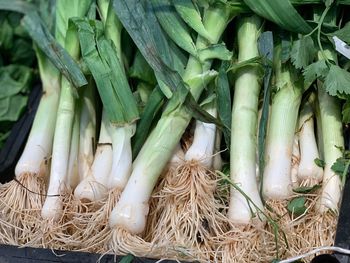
<point>196,130</point>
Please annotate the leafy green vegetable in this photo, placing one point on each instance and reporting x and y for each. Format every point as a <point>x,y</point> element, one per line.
<point>297,206</point>
<point>306,189</point>
<point>337,81</point>
<point>224,101</point>
<point>315,70</point>
<point>303,52</point>
<point>127,259</point>
<point>14,79</point>
<point>343,33</point>
<point>346,111</point>
<point>320,163</point>
<point>341,166</point>
<point>141,70</point>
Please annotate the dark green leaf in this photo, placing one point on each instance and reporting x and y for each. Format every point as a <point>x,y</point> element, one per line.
<point>320,163</point>
<point>337,81</point>
<point>307,189</point>
<point>141,70</point>
<point>153,105</point>
<point>119,81</point>
<point>286,45</point>
<point>224,101</point>
<point>297,206</point>
<point>173,25</point>
<point>315,70</point>
<point>143,27</point>
<point>12,107</point>
<point>339,167</point>
<point>127,259</point>
<point>346,112</point>
<point>141,23</point>
<point>14,79</point>
<point>343,33</point>
<point>22,52</point>
<point>100,57</point>
<point>303,52</point>
<point>39,32</point>
<point>6,35</point>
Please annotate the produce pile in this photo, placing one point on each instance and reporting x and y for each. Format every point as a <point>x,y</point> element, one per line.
<point>208,130</point>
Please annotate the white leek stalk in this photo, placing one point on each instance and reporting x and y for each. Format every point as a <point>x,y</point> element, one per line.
<point>94,186</point>
<point>244,126</point>
<point>202,147</point>
<point>122,156</point>
<point>131,210</point>
<point>39,144</point>
<point>52,208</point>
<point>308,171</point>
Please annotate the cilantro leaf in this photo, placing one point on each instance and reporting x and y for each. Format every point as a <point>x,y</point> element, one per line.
<point>297,206</point>
<point>303,52</point>
<point>320,163</point>
<point>337,81</point>
<point>315,70</point>
<point>340,166</point>
<point>306,189</point>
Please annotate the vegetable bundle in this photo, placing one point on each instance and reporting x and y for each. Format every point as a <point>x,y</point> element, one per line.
<point>195,130</point>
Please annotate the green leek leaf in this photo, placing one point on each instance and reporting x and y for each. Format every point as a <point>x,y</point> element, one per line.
<point>217,51</point>
<point>280,12</point>
<point>101,57</point>
<point>190,14</point>
<point>224,101</point>
<point>153,106</point>
<point>141,70</point>
<point>266,46</point>
<point>172,24</point>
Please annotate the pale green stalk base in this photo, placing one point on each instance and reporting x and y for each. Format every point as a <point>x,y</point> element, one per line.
<point>308,171</point>
<point>332,131</point>
<point>73,162</point>
<point>52,207</point>
<point>277,183</point>
<point>87,131</point>
<point>202,148</point>
<point>39,145</point>
<point>94,186</point>
<point>244,127</point>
